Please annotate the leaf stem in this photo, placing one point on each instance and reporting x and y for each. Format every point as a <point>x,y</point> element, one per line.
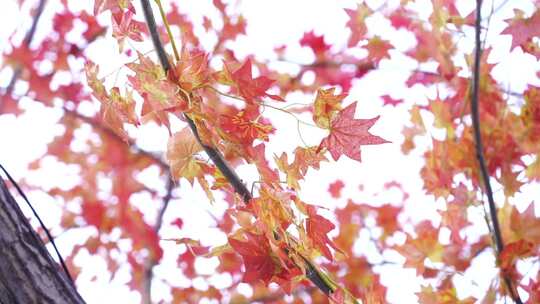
<point>168,28</point>
<point>264,104</point>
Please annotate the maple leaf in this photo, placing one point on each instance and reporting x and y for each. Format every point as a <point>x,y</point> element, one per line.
<point>348,134</point>
<point>93,28</point>
<point>533,170</point>
<point>127,28</point>
<point>378,49</point>
<point>428,295</point>
<point>250,88</point>
<point>421,77</point>
<point>256,254</point>
<point>176,18</point>
<point>159,94</point>
<point>119,109</point>
<point>308,157</point>
<point>115,6</point>
<point>63,22</point>
<point>20,57</point>
<point>317,228</point>
<point>232,29</point>
<point>525,225</point>
<point>115,110</point>
<point>272,209</point>
<point>257,155</point>
<point>387,100</point>
<point>94,213</point>
<point>425,245</point>
<point>533,289</point>
<point>192,69</point>
<point>40,87</point>
<point>522,29</point>
<point>246,126</point>
<point>514,251</point>
<point>292,172</point>
<point>315,43</point>
<point>357,23</point>
<point>304,158</point>
<point>399,18</point>
<point>335,188</point>
<point>387,218</point>
<point>326,106</point>
<point>178,222</point>
<point>180,154</point>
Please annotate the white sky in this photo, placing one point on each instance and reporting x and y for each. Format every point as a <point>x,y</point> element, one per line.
<point>271,23</point>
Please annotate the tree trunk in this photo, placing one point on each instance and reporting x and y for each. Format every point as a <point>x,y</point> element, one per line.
<point>28,273</point>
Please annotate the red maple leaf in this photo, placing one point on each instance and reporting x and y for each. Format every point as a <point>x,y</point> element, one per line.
<point>250,88</point>
<point>244,126</point>
<point>522,29</point>
<point>256,255</point>
<point>348,134</point>
<point>356,23</point>
<point>317,228</point>
<point>314,42</point>
<point>387,100</point>
<point>512,253</point>
<point>399,19</point>
<point>421,77</point>
<point>335,188</point>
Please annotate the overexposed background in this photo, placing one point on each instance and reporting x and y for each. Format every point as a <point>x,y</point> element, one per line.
<point>270,23</point>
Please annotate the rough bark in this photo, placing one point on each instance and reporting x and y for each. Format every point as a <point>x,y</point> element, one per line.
<point>28,273</point>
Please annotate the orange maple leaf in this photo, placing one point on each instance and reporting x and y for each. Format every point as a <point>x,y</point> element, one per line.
<point>251,88</point>
<point>514,251</point>
<point>180,151</point>
<point>326,106</point>
<point>378,49</point>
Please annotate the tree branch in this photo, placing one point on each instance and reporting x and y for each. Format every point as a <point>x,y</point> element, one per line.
<point>95,124</point>
<point>27,39</point>
<point>311,272</point>
<point>479,149</point>
<point>213,154</point>
<point>149,268</point>
<point>28,273</point>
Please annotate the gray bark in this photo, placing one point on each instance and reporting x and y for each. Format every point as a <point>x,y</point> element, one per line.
<point>28,273</point>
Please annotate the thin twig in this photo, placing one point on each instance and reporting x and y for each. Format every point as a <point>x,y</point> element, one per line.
<point>479,148</point>
<point>311,272</point>
<point>149,268</point>
<point>98,125</point>
<point>27,39</point>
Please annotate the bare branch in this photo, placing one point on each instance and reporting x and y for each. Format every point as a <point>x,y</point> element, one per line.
<point>149,268</point>
<point>479,149</point>
<point>98,125</point>
<point>27,39</point>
